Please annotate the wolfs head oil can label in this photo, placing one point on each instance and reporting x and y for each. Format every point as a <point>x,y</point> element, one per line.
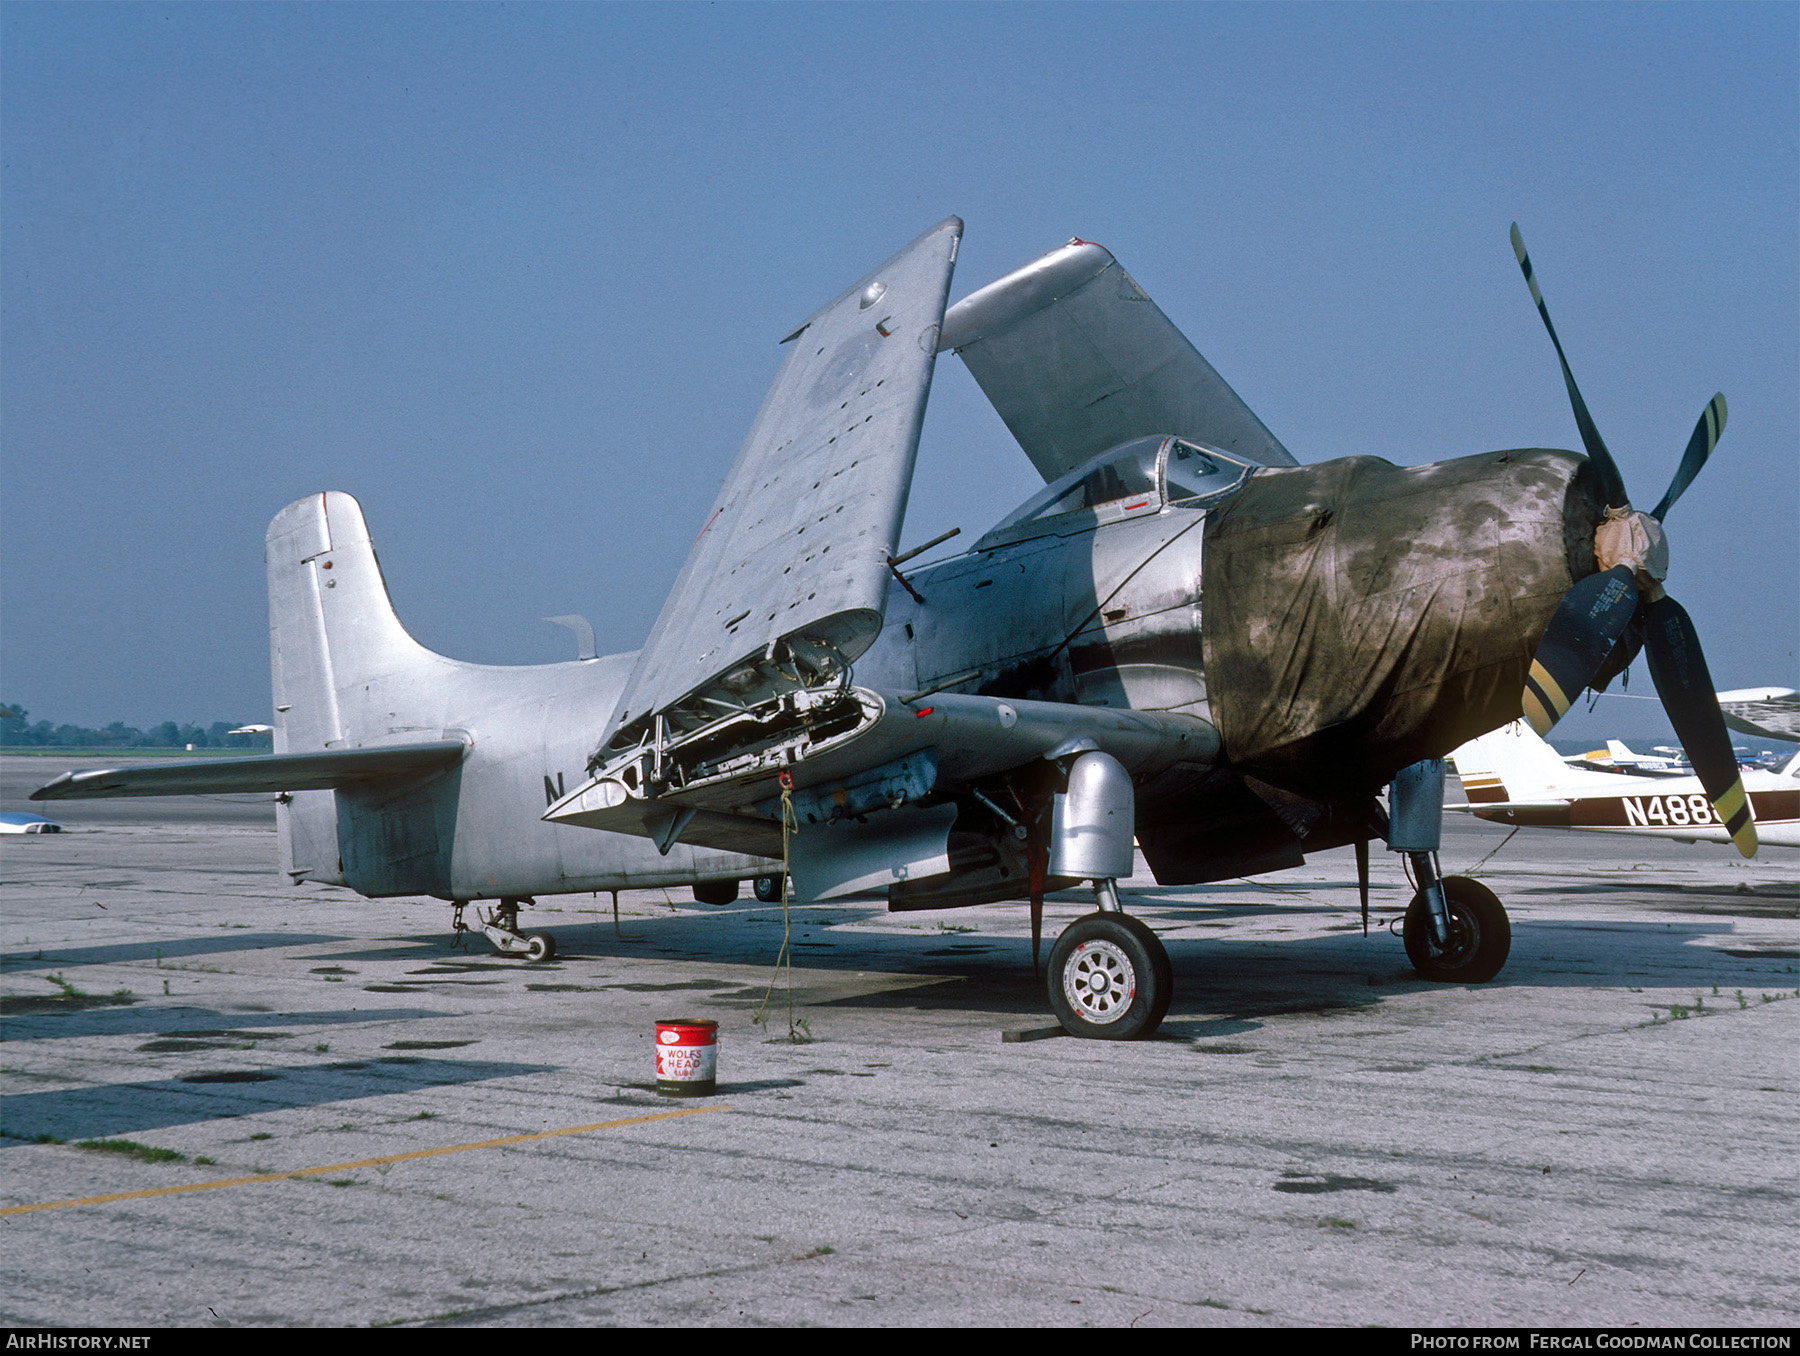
<point>687,1057</point>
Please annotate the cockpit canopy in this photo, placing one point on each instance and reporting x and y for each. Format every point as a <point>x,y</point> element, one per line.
<point>1138,477</point>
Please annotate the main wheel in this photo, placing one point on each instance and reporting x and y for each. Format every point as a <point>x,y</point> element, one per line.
<point>1109,978</point>
<point>716,892</point>
<point>767,889</point>
<point>539,946</point>
<point>1480,935</point>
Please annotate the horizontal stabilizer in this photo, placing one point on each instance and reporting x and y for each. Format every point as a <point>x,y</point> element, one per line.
<point>1077,359</point>
<point>322,771</point>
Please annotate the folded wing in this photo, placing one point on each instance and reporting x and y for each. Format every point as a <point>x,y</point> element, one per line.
<point>1077,359</point>
<point>790,569</point>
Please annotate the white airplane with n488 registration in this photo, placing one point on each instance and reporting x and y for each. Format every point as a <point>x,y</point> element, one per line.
<point>1014,718</point>
<point>1512,777</point>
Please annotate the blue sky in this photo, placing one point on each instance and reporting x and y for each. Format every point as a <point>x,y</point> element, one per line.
<point>513,276</point>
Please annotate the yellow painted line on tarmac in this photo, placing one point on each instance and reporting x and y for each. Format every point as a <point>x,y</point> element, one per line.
<point>359,1163</point>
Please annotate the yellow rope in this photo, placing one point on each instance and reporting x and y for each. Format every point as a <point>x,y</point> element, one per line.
<point>790,825</point>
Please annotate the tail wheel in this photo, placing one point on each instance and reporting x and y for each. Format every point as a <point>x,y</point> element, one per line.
<point>1480,934</point>
<point>1110,978</point>
<point>767,889</point>
<point>539,946</point>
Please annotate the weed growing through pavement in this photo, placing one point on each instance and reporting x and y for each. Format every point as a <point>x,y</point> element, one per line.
<point>68,989</point>
<point>145,1152</point>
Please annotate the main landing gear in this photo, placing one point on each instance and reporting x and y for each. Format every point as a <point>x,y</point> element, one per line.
<point>1456,931</point>
<point>501,926</point>
<point>1109,977</point>
<point>1478,939</point>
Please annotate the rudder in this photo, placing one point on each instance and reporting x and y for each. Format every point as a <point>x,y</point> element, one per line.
<point>333,636</point>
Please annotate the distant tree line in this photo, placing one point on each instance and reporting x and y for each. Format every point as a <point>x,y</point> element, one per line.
<point>18,731</point>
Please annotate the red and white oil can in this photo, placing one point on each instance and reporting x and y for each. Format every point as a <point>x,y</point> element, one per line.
<point>687,1057</point>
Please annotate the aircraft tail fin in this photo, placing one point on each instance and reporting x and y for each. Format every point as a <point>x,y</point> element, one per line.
<point>332,628</point>
<point>1510,764</point>
<point>347,676</point>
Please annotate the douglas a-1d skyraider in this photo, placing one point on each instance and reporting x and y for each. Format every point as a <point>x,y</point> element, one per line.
<point>1011,720</point>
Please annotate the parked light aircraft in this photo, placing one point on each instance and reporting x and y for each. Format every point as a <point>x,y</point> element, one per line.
<point>1618,756</point>
<point>1009,720</point>
<point>1512,777</point>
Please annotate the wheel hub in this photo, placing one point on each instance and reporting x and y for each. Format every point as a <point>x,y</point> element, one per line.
<point>1465,940</point>
<point>1099,982</point>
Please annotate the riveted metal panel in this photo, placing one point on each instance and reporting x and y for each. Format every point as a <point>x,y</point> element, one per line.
<point>797,543</point>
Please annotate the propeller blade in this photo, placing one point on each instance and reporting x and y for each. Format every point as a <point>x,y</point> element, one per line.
<point>1588,622</point>
<point>1699,448</point>
<point>1612,484</point>
<point>1678,669</point>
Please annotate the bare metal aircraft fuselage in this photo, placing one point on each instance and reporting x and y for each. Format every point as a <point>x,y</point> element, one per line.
<point>1186,644</point>
<point>1094,609</point>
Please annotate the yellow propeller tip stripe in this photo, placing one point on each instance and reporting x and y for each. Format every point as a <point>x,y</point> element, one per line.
<point>1727,805</point>
<point>1539,719</point>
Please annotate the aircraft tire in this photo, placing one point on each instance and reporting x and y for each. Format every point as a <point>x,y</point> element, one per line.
<point>1109,978</point>
<point>716,892</point>
<point>767,889</point>
<point>1481,935</point>
<point>539,946</point>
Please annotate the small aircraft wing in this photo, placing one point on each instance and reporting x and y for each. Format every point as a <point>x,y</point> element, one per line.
<point>1077,359</point>
<point>1769,712</point>
<point>794,553</point>
<point>322,771</point>
<point>1500,806</point>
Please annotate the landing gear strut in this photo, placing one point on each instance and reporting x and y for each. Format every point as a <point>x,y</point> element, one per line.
<point>501,927</point>
<point>1456,930</point>
<point>1109,976</point>
<point>1480,937</point>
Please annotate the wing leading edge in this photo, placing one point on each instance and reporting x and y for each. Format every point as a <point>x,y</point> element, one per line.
<point>791,565</point>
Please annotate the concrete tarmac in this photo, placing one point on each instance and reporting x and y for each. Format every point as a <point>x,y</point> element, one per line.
<point>1606,1134</point>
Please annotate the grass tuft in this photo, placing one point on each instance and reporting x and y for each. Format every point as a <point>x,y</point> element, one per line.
<point>147,1153</point>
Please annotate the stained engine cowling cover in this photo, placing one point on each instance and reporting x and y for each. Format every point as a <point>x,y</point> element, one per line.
<point>1360,616</point>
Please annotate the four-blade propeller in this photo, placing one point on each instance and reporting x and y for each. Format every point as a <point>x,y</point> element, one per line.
<point>1633,557</point>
